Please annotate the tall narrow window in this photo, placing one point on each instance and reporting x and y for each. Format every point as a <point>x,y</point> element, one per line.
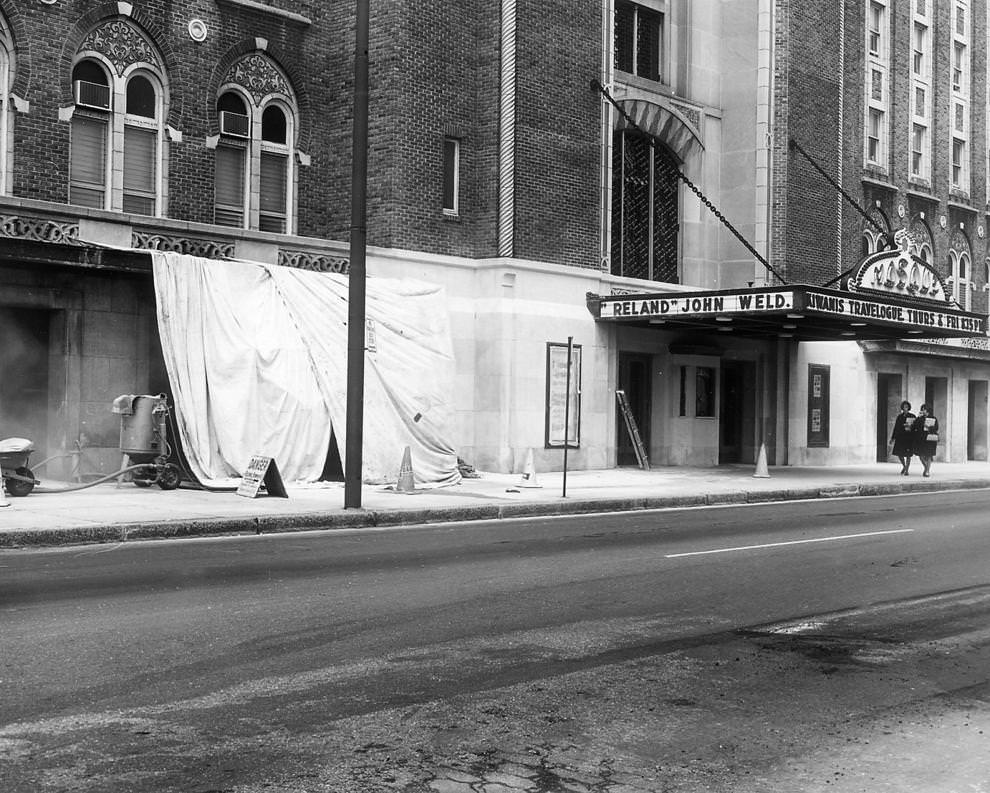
<point>6,115</point>
<point>451,175</point>
<point>959,264</point>
<point>875,30</point>
<point>958,59</point>
<point>873,139</point>
<point>958,162</point>
<point>645,209</point>
<point>921,104</point>
<point>639,39</point>
<point>89,136</point>
<point>230,183</point>
<point>274,164</point>
<point>140,147</point>
<point>88,165</point>
<point>920,49</point>
<point>918,150</point>
<point>877,86</point>
<point>960,97</point>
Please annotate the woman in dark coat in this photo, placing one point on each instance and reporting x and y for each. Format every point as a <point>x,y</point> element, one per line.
<point>902,437</point>
<point>925,434</point>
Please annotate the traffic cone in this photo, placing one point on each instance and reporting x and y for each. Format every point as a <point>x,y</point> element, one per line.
<point>4,501</point>
<point>761,463</point>
<point>528,476</point>
<point>406,483</point>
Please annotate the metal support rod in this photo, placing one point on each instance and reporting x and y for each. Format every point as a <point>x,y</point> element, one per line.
<point>356,271</point>
<point>795,146</point>
<point>567,412</point>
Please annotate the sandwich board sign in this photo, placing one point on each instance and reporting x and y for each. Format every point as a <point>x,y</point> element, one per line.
<point>262,472</point>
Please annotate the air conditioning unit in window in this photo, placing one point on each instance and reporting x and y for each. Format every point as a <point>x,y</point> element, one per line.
<point>233,124</point>
<point>92,95</point>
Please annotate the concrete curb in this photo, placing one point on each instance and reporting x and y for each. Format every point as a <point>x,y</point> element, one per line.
<point>374,518</point>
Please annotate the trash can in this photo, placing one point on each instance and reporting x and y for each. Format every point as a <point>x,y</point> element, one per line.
<point>140,430</point>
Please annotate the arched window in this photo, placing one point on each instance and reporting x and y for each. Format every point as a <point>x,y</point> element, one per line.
<point>961,269</point>
<point>255,164</point>
<point>876,234</point>
<point>6,111</point>
<point>90,135</point>
<point>962,284</point>
<point>922,237</point>
<point>117,137</point>
<point>231,161</point>
<point>274,170</point>
<point>141,146</point>
<point>645,209</point>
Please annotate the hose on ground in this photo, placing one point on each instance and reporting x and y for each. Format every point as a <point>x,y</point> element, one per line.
<point>99,481</point>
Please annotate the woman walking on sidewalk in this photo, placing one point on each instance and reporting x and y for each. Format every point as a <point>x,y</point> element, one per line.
<point>902,437</point>
<point>925,434</point>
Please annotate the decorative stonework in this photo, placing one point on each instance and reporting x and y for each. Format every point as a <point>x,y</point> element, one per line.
<point>121,44</point>
<point>257,74</point>
<point>691,113</point>
<point>320,263</point>
<point>40,230</point>
<point>208,249</point>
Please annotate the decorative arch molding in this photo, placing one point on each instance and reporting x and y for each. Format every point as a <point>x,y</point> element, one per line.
<point>921,235</point>
<point>122,34</point>
<point>241,62</point>
<point>676,124</point>
<point>959,241</point>
<point>20,42</point>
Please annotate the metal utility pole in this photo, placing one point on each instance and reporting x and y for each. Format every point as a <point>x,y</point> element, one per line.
<point>356,270</point>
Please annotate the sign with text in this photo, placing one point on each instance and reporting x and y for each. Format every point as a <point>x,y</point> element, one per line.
<point>262,472</point>
<point>940,318</point>
<point>653,306</point>
<point>888,312</point>
<point>563,396</point>
<point>901,272</point>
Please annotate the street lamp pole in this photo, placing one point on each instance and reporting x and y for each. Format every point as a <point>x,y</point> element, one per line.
<point>356,270</point>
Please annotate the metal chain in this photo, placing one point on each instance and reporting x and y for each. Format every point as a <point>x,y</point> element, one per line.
<point>797,146</point>
<point>680,175</point>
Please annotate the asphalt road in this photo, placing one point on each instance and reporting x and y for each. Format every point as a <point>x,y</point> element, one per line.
<point>706,649</point>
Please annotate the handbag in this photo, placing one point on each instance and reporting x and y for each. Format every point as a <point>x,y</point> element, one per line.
<point>932,437</point>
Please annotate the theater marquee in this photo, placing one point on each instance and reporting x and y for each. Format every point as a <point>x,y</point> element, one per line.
<point>889,295</point>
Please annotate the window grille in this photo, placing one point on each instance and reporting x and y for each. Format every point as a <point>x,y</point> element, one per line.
<point>645,209</point>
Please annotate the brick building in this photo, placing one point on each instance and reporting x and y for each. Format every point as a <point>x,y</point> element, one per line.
<point>524,156</point>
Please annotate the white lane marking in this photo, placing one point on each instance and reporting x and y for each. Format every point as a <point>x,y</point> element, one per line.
<point>788,542</point>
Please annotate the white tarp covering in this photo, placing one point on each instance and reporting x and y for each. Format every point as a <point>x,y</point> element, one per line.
<point>257,361</point>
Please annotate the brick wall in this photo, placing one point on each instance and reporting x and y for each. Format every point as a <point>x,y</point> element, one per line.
<point>558,199</point>
<point>807,72</point>
<point>812,92</point>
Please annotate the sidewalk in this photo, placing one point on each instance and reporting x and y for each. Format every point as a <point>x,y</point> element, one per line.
<point>108,513</point>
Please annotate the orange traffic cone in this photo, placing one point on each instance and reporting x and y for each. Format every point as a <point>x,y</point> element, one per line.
<point>407,482</point>
<point>528,476</point>
<point>761,463</point>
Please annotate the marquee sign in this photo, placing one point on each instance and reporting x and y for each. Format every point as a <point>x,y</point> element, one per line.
<point>798,311</point>
<point>657,307</point>
<point>889,295</point>
<point>902,273</point>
